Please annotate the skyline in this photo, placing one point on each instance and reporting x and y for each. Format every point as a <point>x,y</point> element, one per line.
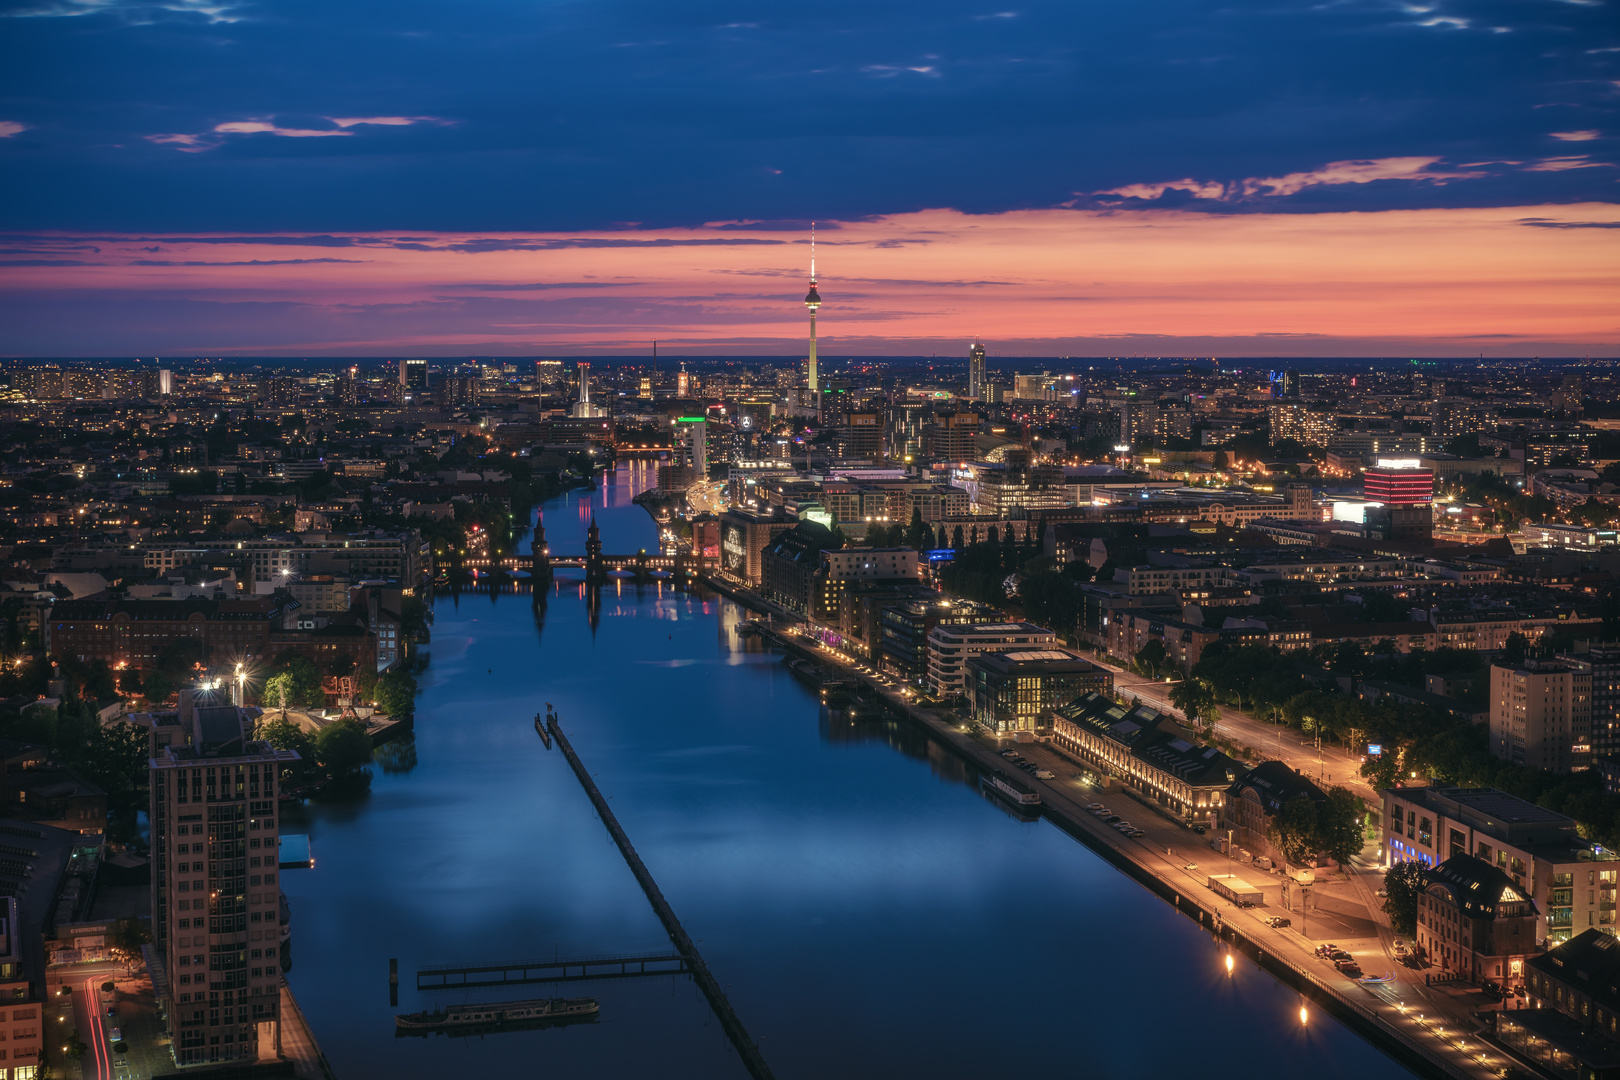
<point>1503,282</point>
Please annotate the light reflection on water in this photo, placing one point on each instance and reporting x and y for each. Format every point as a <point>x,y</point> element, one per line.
<point>869,912</point>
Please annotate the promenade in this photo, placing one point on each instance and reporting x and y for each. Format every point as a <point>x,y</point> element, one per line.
<point>1427,1029</point>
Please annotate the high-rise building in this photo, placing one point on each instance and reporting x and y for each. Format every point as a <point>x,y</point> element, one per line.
<point>413,373</point>
<point>976,372</point>
<point>165,382</point>
<point>683,382</point>
<point>1290,384</point>
<point>692,445</point>
<point>1541,715</point>
<point>216,904</point>
<point>349,386</point>
<point>951,436</point>
<point>1602,662</point>
<point>646,392</point>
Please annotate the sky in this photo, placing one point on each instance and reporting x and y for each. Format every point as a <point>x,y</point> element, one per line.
<point>281,177</point>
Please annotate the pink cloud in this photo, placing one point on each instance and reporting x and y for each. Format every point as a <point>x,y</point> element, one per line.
<point>8,128</point>
<point>1417,169</point>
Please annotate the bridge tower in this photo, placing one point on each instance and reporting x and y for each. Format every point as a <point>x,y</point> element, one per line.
<point>595,568</point>
<point>540,567</point>
<point>643,571</point>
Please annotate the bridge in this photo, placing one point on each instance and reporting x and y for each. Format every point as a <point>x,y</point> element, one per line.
<point>597,566</point>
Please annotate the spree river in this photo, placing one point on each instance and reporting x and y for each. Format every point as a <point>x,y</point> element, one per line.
<point>868,911</point>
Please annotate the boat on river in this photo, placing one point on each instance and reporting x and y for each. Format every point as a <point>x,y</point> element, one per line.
<point>1013,790</point>
<point>498,1014</point>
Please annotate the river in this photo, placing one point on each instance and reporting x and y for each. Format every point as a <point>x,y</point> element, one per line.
<point>869,913</point>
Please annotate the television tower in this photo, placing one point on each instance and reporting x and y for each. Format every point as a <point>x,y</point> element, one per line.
<point>812,301</point>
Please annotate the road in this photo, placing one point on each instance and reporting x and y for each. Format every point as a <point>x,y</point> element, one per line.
<point>1328,765</point>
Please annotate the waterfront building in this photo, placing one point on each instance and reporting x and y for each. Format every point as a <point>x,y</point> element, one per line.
<point>1473,920</point>
<point>1256,798</point>
<point>216,901</point>
<point>1149,752</point>
<point>1579,981</point>
<point>789,565</point>
<point>744,534</point>
<point>1009,692</point>
<point>950,648</point>
<point>1541,715</point>
<point>904,629</point>
<point>1572,881</point>
<point>691,445</point>
<point>841,567</point>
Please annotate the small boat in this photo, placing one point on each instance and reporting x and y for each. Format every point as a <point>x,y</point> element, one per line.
<point>1012,789</point>
<point>452,1017</point>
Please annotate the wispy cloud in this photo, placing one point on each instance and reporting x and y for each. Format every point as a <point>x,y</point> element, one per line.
<point>1417,169</point>
<point>240,262</point>
<point>8,128</point>
<point>136,11</point>
<point>1577,136</point>
<point>1564,164</point>
<point>342,126</point>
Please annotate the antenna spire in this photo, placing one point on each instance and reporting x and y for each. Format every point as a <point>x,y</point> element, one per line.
<point>812,253</point>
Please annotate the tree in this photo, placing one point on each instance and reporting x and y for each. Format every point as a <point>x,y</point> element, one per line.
<point>126,937</point>
<point>1403,884</point>
<point>1150,658</point>
<point>917,533</point>
<point>957,541</point>
<point>1339,825</point>
<point>1196,701</point>
<point>297,681</point>
<point>343,747</point>
<point>1294,829</point>
<point>157,687</point>
<point>283,734</point>
<point>1382,770</point>
<point>1514,649</point>
<point>396,694</point>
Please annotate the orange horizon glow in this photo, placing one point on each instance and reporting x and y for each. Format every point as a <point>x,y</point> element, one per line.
<point>1464,280</point>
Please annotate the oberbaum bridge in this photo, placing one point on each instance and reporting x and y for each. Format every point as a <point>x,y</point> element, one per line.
<point>599,568</point>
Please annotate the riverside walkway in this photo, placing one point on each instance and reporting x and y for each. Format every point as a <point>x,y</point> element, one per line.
<point>746,1048</point>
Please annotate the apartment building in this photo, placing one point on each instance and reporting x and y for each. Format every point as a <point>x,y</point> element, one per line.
<point>1541,715</point>
<point>951,646</point>
<point>1572,882</point>
<point>22,1028</point>
<point>216,902</point>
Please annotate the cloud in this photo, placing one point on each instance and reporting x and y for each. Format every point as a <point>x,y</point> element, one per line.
<point>534,286</point>
<point>1337,172</point>
<point>1577,136</point>
<point>241,262</point>
<point>134,11</point>
<point>45,262</point>
<point>8,128</point>
<point>1565,164</point>
<point>208,140</point>
<point>1543,223</point>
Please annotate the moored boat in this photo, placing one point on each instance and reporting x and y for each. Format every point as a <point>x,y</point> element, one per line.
<point>496,1013</point>
<point>1012,789</point>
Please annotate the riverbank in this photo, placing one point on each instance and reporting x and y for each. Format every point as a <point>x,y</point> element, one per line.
<point>1390,1018</point>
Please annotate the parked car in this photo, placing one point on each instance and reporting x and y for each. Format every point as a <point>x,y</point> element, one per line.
<point>1199,829</point>
<point>1094,806</point>
<point>1279,921</point>
<point>1112,819</point>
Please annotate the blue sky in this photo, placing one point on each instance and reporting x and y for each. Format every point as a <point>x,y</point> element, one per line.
<point>492,114</point>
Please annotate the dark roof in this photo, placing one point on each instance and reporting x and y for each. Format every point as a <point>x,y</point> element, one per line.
<point>1152,737</point>
<point>218,725</point>
<point>802,543</point>
<point>1589,962</point>
<point>1476,887</point>
<point>1276,783</point>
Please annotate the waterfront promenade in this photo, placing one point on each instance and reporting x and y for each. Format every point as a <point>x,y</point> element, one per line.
<point>1427,1030</point>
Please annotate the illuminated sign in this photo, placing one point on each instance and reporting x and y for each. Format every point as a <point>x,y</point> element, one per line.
<point>1399,463</point>
<point>734,549</point>
<point>942,555</point>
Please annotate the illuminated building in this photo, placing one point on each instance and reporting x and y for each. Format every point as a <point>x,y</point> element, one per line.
<point>1398,482</point>
<point>975,372</point>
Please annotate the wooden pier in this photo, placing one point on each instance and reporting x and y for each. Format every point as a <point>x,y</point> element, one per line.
<point>455,977</point>
<point>753,1060</point>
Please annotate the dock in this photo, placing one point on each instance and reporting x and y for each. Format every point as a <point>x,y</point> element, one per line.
<point>752,1059</point>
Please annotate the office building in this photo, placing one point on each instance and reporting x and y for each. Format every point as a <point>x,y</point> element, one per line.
<point>903,647</point>
<point>950,437</point>
<point>975,389</point>
<point>413,374</point>
<point>1541,715</point>
<point>1398,482</point>
<point>1009,692</point>
<point>951,647</point>
<point>216,901</point>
